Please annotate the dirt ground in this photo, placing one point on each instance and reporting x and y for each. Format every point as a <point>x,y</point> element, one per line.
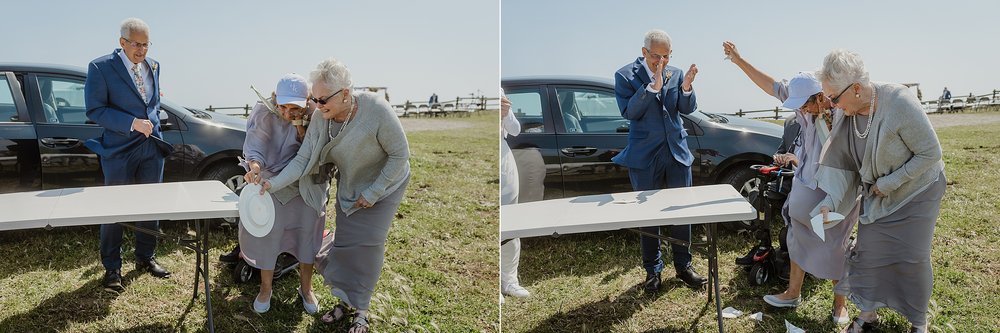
<point>958,119</point>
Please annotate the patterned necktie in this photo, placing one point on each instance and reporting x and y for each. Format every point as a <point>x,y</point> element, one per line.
<point>138,81</point>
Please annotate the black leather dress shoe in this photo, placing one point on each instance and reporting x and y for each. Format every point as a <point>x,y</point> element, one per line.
<point>652,283</point>
<point>231,257</point>
<point>691,278</point>
<point>152,267</point>
<point>113,280</point>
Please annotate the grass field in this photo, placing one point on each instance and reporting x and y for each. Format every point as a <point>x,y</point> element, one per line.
<point>440,273</point>
<point>590,282</point>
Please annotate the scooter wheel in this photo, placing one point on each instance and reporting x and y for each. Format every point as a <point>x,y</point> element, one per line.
<point>759,274</point>
<point>243,272</point>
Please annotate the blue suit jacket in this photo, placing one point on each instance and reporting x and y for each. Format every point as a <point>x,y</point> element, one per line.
<point>655,125</point>
<point>113,102</point>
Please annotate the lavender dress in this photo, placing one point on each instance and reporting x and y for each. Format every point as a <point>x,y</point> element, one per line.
<point>298,229</point>
<point>822,259</point>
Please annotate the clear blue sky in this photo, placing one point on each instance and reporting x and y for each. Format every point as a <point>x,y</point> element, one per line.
<point>934,43</point>
<point>211,51</point>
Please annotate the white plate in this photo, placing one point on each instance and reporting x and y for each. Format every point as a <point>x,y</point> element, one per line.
<point>256,211</point>
<point>818,226</point>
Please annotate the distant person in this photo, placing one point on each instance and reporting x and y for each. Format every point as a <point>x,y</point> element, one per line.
<point>652,96</point>
<point>510,252</point>
<point>946,95</point>
<point>123,97</point>
<point>433,102</point>
<point>884,143</point>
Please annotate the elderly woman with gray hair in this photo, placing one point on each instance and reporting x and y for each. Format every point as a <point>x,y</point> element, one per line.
<point>356,138</point>
<point>882,145</point>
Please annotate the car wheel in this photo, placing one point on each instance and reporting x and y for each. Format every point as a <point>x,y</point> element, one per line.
<point>743,179</point>
<point>232,176</point>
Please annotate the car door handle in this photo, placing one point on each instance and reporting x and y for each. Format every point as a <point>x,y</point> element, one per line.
<point>60,142</point>
<point>573,151</point>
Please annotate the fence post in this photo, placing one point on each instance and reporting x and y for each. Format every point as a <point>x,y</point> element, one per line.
<point>210,108</point>
<point>739,113</point>
<point>246,110</point>
<point>776,113</point>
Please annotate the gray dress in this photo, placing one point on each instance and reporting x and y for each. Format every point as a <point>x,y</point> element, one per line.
<point>890,266</point>
<point>298,229</point>
<point>351,262</point>
<point>822,259</point>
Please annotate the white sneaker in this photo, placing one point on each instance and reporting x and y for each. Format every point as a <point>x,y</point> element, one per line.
<point>515,291</point>
<point>782,303</point>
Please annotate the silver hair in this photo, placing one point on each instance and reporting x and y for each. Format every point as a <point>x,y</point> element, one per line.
<point>333,74</point>
<point>131,25</point>
<point>656,36</point>
<point>842,68</point>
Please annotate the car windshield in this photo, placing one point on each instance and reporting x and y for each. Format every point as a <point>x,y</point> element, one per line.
<point>715,118</point>
<point>183,110</point>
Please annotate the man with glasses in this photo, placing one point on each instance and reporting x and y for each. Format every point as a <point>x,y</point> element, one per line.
<point>123,96</point>
<point>652,95</point>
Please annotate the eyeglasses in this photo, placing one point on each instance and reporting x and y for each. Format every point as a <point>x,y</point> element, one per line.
<point>322,101</point>
<point>138,45</point>
<point>657,57</point>
<point>835,100</point>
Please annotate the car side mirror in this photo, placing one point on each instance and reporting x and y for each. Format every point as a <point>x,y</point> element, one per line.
<point>622,129</point>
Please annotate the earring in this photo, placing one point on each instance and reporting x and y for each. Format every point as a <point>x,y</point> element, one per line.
<point>857,95</point>
<point>344,101</point>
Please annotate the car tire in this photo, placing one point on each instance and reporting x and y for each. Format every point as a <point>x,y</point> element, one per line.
<point>743,179</point>
<point>230,174</point>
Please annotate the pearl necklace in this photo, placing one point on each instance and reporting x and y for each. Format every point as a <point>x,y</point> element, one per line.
<point>329,127</point>
<point>871,110</point>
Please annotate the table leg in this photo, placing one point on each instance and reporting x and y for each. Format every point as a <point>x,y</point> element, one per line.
<point>204,262</point>
<point>714,272</point>
<point>197,254</point>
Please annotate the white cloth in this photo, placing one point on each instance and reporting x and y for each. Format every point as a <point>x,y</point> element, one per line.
<point>508,168</point>
<point>510,256</point>
<point>510,252</point>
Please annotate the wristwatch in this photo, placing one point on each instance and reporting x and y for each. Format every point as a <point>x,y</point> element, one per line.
<point>297,122</point>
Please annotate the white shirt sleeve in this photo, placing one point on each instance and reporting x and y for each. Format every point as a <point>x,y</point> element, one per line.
<point>509,125</point>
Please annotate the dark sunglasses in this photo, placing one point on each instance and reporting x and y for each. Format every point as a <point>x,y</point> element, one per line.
<point>322,101</point>
<point>835,100</point>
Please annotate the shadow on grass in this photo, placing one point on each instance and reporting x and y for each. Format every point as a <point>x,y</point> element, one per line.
<point>603,315</point>
<point>86,304</point>
<point>65,248</point>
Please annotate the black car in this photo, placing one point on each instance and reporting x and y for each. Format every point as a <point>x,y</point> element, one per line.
<point>572,126</point>
<point>43,125</point>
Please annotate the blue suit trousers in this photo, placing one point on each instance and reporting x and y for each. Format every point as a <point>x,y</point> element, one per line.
<point>665,173</point>
<point>142,165</point>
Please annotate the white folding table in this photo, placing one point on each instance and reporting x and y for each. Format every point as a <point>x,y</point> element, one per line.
<point>197,200</point>
<point>632,210</point>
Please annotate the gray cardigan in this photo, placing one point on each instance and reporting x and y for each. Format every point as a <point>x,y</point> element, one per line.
<point>378,163</point>
<point>902,157</point>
